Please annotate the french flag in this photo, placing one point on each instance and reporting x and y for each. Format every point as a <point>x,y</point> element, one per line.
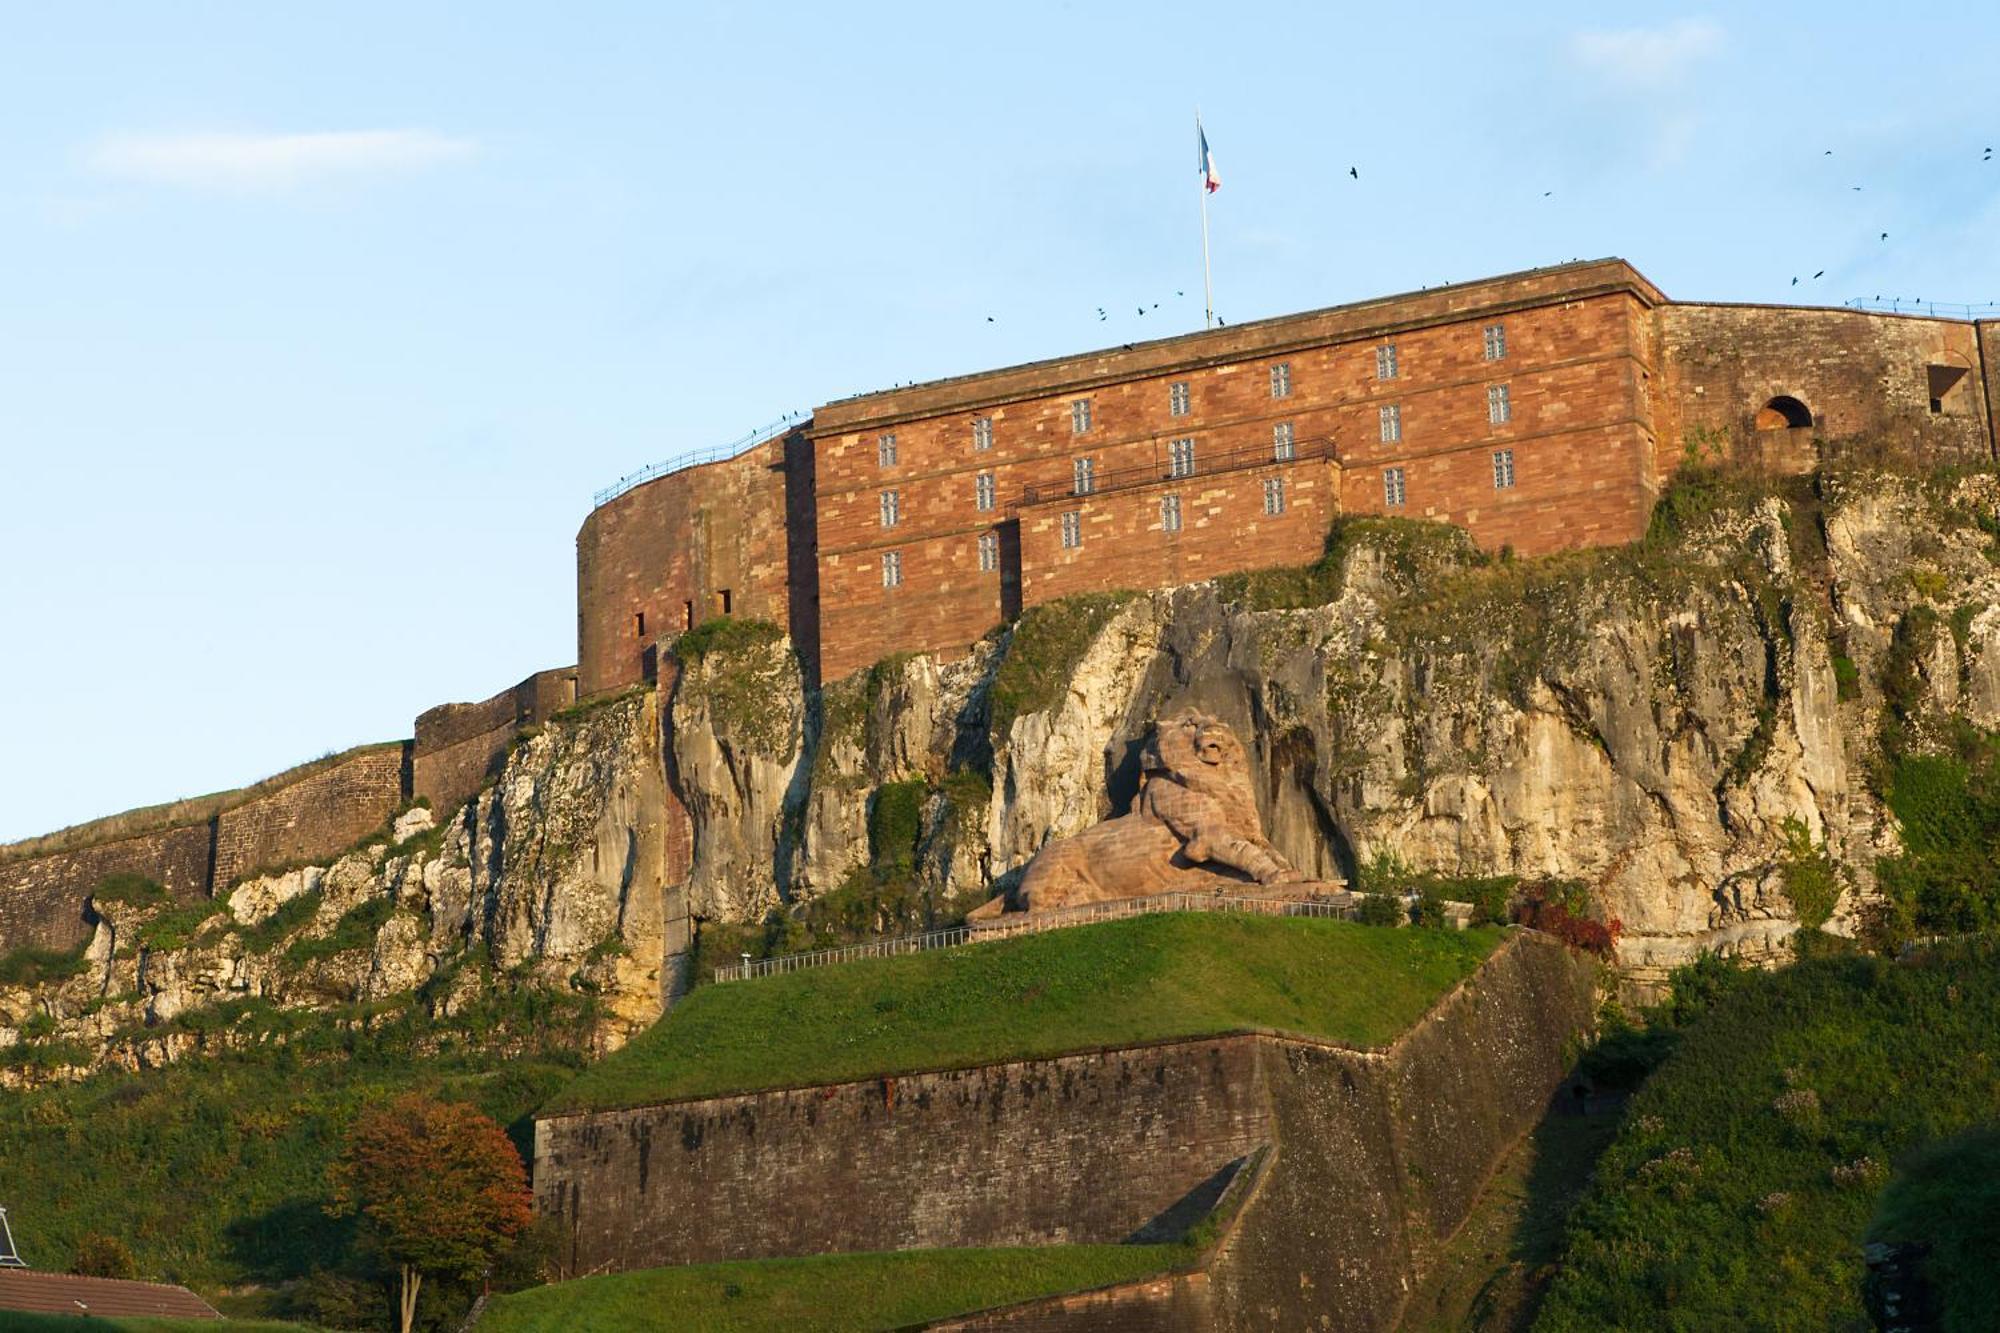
<point>1210,177</point>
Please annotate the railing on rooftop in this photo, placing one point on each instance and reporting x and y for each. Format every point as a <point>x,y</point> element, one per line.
<point>681,462</point>
<point>1897,305</point>
<point>1164,470</point>
<point>1339,906</point>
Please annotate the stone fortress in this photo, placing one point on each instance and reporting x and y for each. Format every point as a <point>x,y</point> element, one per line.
<point>1540,411</point>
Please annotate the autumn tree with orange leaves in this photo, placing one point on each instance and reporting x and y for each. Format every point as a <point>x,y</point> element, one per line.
<point>438,1186</point>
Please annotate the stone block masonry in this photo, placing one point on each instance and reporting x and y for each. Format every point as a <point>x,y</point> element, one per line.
<point>326,812</point>
<point>1374,1158</point>
<point>459,746</point>
<point>42,897</point>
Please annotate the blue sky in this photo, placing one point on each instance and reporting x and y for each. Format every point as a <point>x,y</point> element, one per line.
<point>321,323</point>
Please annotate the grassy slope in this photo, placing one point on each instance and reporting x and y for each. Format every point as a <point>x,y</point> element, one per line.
<point>213,1170</point>
<point>62,1323</point>
<point>838,1291</point>
<point>1145,979</point>
<point>1747,1168</point>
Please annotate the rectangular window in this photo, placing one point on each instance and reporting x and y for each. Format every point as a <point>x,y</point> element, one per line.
<point>989,552</point>
<point>1281,380</point>
<point>642,624</point>
<point>1385,361</point>
<point>982,491</point>
<point>1499,407</point>
<point>1085,478</point>
<point>1496,342</point>
<point>1392,487</point>
<point>1180,458</point>
<point>1177,398</point>
<point>1170,513</point>
<point>1503,469</point>
<point>892,508</point>
<point>1274,495</point>
<point>1072,530</point>
<point>1392,423</point>
<point>892,569</point>
<point>1079,416</point>
<point>982,433</point>
<point>1281,442</point>
<point>885,451</point>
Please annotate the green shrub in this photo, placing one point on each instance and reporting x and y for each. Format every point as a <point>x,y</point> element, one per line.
<point>1381,909</point>
<point>131,890</point>
<point>1947,1198</point>
<point>177,927</point>
<point>1048,644</point>
<point>356,929</point>
<point>895,822</point>
<point>29,966</point>
<point>725,634</point>
<point>1846,677</point>
<point>1812,879</point>
<point>289,916</point>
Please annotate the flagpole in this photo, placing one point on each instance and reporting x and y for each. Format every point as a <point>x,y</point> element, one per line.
<point>1207,282</point>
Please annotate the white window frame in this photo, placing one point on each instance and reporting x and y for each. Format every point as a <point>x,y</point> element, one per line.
<point>892,508</point>
<point>892,569</point>
<point>1499,404</point>
<point>1284,443</point>
<point>989,552</point>
<point>1390,419</point>
<point>1274,495</point>
<point>1170,513</point>
<point>982,434</point>
<point>1079,416</point>
<point>1503,469</point>
<point>1180,399</point>
<point>1385,362</point>
<point>1281,379</point>
<point>1083,476</point>
<point>1395,491</point>
<point>1180,457</point>
<point>885,450</point>
<point>1495,340</point>
<point>1072,529</point>
<point>983,493</point>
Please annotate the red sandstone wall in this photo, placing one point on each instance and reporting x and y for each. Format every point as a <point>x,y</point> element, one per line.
<point>323,813</point>
<point>1863,376</point>
<point>1989,357</point>
<point>1572,368</point>
<point>667,551</point>
<point>459,745</point>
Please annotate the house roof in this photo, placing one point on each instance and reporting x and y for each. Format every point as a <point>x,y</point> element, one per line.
<point>32,1292</point>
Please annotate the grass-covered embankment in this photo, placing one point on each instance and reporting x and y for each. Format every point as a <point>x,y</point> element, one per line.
<point>1741,1187</point>
<point>1115,984</point>
<point>832,1291</point>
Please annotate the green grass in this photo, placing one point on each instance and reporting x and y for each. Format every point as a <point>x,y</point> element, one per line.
<point>1119,983</point>
<point>834,1291</point>
<point>1749,1165</point>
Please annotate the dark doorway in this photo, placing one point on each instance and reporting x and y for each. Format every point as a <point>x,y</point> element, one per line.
<point>1784,413</point>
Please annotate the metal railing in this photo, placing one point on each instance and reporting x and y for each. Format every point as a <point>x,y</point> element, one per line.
<point>1896,305</point>
<point>1164,469</point>
<point>695,458</point>
<point>1340,906</point>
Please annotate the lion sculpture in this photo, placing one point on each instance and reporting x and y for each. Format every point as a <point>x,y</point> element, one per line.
<point>1193,827</point>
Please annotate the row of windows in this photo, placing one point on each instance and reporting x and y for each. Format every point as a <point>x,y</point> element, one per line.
<point>1499,411</point>
<point>1070,526</point>
<point>1083,480</point>
<point>1180,400</point>
<point>1395,490</point>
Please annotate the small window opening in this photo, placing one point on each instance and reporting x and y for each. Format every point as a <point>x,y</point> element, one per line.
<point>1943,379</point>
<point>641,619</point>
<point>687,615</point>
<point>722,600</point>
<point>1784,413</point>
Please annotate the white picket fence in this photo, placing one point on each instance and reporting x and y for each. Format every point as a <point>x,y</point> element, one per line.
<point>1336,905</point>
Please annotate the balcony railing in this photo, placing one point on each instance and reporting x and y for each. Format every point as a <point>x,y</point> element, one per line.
<point>695,458</point>
<point>1897,305</point>
<point>1164,470</point>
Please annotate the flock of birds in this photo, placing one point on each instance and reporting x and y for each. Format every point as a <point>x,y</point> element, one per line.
<point>1354,173</point>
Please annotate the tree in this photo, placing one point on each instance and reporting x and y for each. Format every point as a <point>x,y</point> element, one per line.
<point>102,1256</point>
<point>438,1186</point>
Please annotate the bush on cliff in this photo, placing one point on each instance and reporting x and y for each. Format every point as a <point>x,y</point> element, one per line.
<point>1748,1166</point>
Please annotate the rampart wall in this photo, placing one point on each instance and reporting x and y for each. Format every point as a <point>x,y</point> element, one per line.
<point>326,812</point>
<point>42,897</point>
<point>459,746</point>
<point>1374,1157</point>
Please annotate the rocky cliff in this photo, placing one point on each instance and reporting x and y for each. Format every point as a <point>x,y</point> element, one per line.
<point>1669,724</point>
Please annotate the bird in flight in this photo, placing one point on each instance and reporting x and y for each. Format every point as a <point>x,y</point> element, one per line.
<point>1795,282</point>
<point>1885,235</point>
<point>1142,310</point>
<point>989,319</point>
<point>1547,193</point>
<point>1354,172</point>
<point>1820,274</point>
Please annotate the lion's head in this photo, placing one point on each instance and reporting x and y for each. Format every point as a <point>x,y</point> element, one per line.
<point>1202,753</point>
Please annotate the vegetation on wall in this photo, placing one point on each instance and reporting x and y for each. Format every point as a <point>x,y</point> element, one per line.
<point>1047,645</point>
